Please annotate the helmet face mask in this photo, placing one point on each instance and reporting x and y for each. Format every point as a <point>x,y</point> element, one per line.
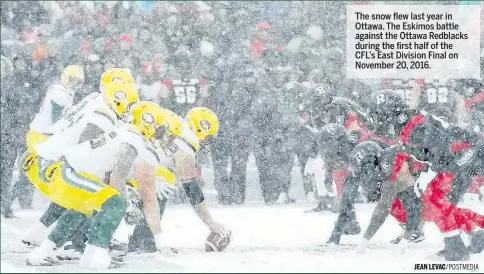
<point>206,144</point>
<point>165,140</point>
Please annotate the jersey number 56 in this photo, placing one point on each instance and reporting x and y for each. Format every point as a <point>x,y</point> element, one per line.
<point>185,94</point>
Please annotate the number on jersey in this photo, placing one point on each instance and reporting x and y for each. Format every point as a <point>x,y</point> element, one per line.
<point>101,140</point>
<point>98,141</point>
<point>185,94</point>
<point>439,95</point>
<point>406,94</point>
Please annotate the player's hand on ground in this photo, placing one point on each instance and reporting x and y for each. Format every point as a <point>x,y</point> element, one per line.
<point>134,211</point>
<point>334,239</point>
<point>362,246</point>
<point>165,250</point>
<point>220,229</point>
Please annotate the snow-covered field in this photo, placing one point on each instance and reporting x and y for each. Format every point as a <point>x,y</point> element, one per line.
<point>280,238</point>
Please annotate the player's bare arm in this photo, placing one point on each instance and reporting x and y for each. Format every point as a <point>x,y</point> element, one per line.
<point>126,157</point>
<point>145,176</point>
<point>186,168</point>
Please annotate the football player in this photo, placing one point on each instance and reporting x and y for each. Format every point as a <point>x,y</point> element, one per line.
<point>183,88</point>
<point>427,137</point>
<point>426,201</point>
<point>75,183</point>
<point>439,98</point>
<point>94,115</point>
<point>336,145</point>
<point>446,147</point>
<point>199,128</point>
<point>328,108</point>
<point>473,92</point>
<point>57,101</point>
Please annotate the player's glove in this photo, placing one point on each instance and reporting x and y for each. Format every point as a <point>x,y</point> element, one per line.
<point>169,251</point>
<point>164,190</point>
<point>134,212</point>
<point>361,248</point>
<point>220,229</point>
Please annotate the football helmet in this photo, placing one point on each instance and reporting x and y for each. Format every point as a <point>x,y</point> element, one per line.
<point>157,125</point>
<point>364,158</point>
<point>115,75</point>
<point>119,96</point>
<point>72,76</point>
<point>387,108</point>
<point>203,122</point>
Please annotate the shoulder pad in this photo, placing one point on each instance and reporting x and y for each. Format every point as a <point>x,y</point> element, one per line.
<point>108,113</point>
<point>153,150</point>
<point>129,128</point>
<point>92,96</point>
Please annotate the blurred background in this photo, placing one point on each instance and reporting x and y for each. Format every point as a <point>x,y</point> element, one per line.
<point>252,62</point>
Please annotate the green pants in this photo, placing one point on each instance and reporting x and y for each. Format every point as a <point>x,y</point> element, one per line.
<point>102,225</point>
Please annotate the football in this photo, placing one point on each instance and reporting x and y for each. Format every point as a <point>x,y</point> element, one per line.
<point>216,243</point>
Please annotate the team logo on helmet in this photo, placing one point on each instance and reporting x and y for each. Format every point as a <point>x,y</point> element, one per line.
<point>339,119</point>
<point>385,166</point>
<point>205,124</point>
<point>470,91</point>
<point>358,157</point>
<point>353,138</point>
<point>402,118</point>
<point>331,129</point>
<point>465,158</point>
<point>120,95</point>
<point>148,118</point>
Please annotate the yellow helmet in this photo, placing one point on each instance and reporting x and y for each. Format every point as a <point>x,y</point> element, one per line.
<point>119,96</point>
<point>115,75</point>
<point>72,76</point>
<point>203,122</point>
<point>154,122</point>
<point>147,117</point>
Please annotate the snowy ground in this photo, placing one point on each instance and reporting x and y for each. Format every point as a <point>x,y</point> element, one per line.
<point>264,239</point>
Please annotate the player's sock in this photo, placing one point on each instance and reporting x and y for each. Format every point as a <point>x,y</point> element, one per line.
<point>455,249</point>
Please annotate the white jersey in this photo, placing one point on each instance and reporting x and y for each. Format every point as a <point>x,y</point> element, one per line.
<point>67,131</point>
<point>98,156</point>
<point>57,102</point>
